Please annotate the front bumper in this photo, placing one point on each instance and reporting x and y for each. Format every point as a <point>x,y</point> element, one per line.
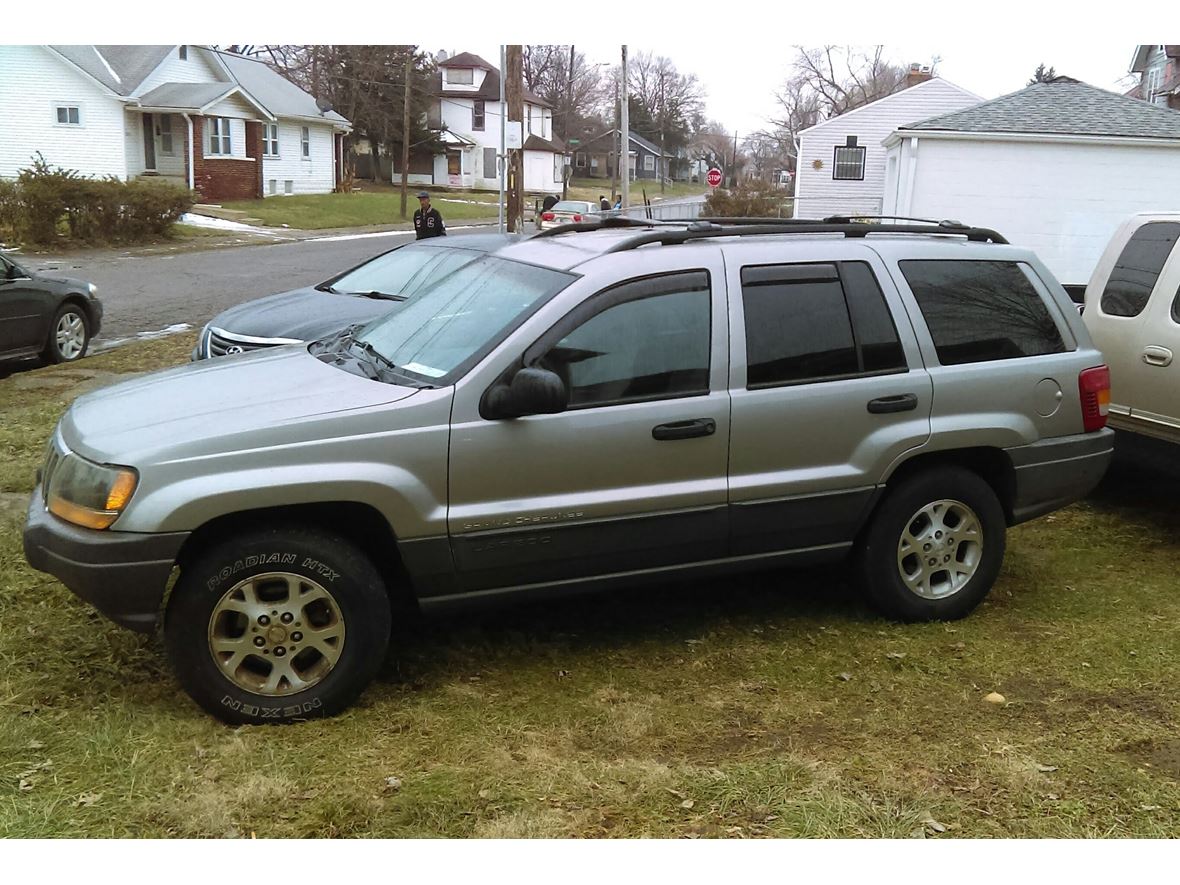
<point>95,316</point>
<point>122,574</point>
<point>1055,472</point>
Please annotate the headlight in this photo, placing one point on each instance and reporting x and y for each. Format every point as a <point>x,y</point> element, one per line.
<point>93,289</point>
<point>84,493</point>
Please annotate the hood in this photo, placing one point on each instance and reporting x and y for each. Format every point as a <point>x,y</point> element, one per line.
<point>306,314</point>
<point>231,403</point>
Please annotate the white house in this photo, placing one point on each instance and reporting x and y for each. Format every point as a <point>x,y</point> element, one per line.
<point>1054,167</point>
<point>841,163</point>
<point>227,126</point>
<point>468,95</point>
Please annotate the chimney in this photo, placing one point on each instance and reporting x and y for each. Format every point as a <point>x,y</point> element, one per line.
<point>917,74</point>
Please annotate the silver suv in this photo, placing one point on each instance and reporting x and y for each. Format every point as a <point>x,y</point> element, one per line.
<point>589,407</point>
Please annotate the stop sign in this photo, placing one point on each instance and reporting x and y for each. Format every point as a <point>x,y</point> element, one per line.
<point>713,177</point>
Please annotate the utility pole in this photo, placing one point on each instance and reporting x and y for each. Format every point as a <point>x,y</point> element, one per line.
<point>733,176</point>
<point>663,120</point>
<point>406,129</point>
<point>515,85</point>
<point>614,175</point>
<point>625,152</point>
<point>567,171</point>
<point>502,159</point>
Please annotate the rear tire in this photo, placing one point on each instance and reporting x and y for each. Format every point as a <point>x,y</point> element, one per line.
<point>69,335</point>
<point>277,626</point>
<point>934,546</point>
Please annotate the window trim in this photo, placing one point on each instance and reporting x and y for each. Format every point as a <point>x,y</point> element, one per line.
<point>836,161</point>
<point>817,272</point>
<point>268,143</point>
<point>478,115</point>
<point>600,302</point>
<point>221,137</point>
<point>77,108</point>
<point>305,143</point>
<point>469,81</point>
<point>166,132</point>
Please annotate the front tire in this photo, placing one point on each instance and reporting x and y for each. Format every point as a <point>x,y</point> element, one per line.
<point>934,547</point>
<point>69,335</point>
<point>277,626</point>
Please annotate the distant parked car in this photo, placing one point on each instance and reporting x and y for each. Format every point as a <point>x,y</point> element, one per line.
<point>568,212</point>
<point>1133,314</point>
<point>356,296</point>
<point>47,316</point>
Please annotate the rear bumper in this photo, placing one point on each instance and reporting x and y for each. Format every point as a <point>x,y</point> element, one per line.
<point>1055,472</point>
<point>122,574</point>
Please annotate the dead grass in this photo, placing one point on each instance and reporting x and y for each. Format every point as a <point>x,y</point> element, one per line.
<point>693,710</point>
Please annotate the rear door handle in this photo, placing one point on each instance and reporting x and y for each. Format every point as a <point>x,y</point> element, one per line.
<point>1154,355</point>
<point>685,429</point>
<point>904,402</point>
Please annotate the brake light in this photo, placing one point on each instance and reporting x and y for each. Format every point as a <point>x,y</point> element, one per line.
<point>1094,387</point>
<point>577,218</point>
<point>547,216</point>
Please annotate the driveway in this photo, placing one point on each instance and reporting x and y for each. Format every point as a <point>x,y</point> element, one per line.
<point>150,292</point>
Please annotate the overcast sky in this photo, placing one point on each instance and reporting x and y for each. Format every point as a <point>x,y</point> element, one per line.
<point>741,50</point>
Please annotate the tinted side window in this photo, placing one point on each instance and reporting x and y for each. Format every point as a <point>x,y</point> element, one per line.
<point>652,343</point>
<point>876,335</point>
<point>1138,267</point>
<point>981,310</point>
<point>797,325</point>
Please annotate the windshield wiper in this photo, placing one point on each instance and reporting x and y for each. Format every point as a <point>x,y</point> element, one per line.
<point>386,366</point>
<point>324,287</point>
<point>368,349</point>
<point>376,294</point>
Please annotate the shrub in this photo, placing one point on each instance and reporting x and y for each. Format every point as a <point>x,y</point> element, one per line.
<point>93,210</point>
<point>10,211</point>
<point>750,199</point>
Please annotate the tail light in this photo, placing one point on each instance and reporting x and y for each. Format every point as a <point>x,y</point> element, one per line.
<point>577,218</point>
<point>547,216</point>
<point>1094,387</point>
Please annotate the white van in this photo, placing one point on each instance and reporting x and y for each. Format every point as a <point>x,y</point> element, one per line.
<point>1132,310</point>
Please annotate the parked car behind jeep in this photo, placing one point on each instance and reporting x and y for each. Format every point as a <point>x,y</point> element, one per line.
<point>358,295</point>
<point>1132,310</point>
<point>581,411</point>
<point>45,315</point>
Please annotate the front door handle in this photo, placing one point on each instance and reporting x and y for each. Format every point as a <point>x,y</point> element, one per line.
<point>685,429</point>
<point>904,402</point>
<point>1154,355</point>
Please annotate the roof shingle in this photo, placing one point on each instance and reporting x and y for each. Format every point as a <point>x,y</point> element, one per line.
<point>1060,107</point>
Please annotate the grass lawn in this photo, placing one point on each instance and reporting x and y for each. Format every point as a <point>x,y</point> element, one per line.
<point>771,705</point>
<point>591,188</point>
<point>319,211</point>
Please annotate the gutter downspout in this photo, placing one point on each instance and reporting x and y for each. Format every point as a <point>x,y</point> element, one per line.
<point>191,170</point>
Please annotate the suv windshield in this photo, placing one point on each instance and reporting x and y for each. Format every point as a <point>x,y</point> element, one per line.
<point>403,271</point>
<point>463,316</point>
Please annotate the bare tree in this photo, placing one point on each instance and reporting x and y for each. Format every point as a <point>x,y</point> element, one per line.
<point>845,77</point>
<point>561,76</point>
<point>1041,75</point>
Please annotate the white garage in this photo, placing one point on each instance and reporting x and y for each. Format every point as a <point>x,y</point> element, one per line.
<point>1055,167</point>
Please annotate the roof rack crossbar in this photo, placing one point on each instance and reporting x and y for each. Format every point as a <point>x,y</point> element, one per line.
<point>613,221</point>
<point>849,230</point>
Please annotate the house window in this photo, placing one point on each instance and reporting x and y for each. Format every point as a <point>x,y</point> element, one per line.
<point>580,160</point>
<point>477,115</point>
<point>593,162</point>
<point>219,140</point>
<point>68,115</point>
<point>288,187</point>
<point>489,163</point>
<point>273,187</point>
<point>184,53</point>
<point>270,139</point>
<point>165,121</point>
<point>305,141</point>
<point>849,162</point>
<point>649,163</point>
<point>558,167</point>
<point>461,76</point>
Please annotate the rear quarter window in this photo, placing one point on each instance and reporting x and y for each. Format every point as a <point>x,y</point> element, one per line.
<point>1135,273</point>
<point>978,311</point>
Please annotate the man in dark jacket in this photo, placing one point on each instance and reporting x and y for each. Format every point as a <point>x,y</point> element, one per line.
<point>603,203</point>
<point>427,221</point>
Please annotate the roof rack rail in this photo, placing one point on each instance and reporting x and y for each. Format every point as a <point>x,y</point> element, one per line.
<point>702,228</point>
<point>847,219</point>
<point>612,221</point>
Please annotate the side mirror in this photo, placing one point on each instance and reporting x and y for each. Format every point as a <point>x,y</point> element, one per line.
<point>530,392</point>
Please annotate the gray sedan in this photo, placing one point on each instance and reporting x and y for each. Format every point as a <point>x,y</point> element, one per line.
<point>359,295</point>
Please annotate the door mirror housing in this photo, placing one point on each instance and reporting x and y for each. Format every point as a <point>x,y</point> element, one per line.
<point>531,391</point>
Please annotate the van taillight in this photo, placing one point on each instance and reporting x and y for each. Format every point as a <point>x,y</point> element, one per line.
<point>1094,387</point>
<point>547,216</point>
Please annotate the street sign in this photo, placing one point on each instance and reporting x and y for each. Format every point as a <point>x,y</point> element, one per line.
<point>713,177</point>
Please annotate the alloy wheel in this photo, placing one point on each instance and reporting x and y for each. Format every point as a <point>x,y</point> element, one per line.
<point>940,549</point>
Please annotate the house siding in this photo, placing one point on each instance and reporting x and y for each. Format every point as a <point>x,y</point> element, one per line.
<point>818,195</point>
<point>455,113</point>
<point>196,69</point>
<point>313,175</point>
<point>1062,200</point>
<point>33,81</point>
